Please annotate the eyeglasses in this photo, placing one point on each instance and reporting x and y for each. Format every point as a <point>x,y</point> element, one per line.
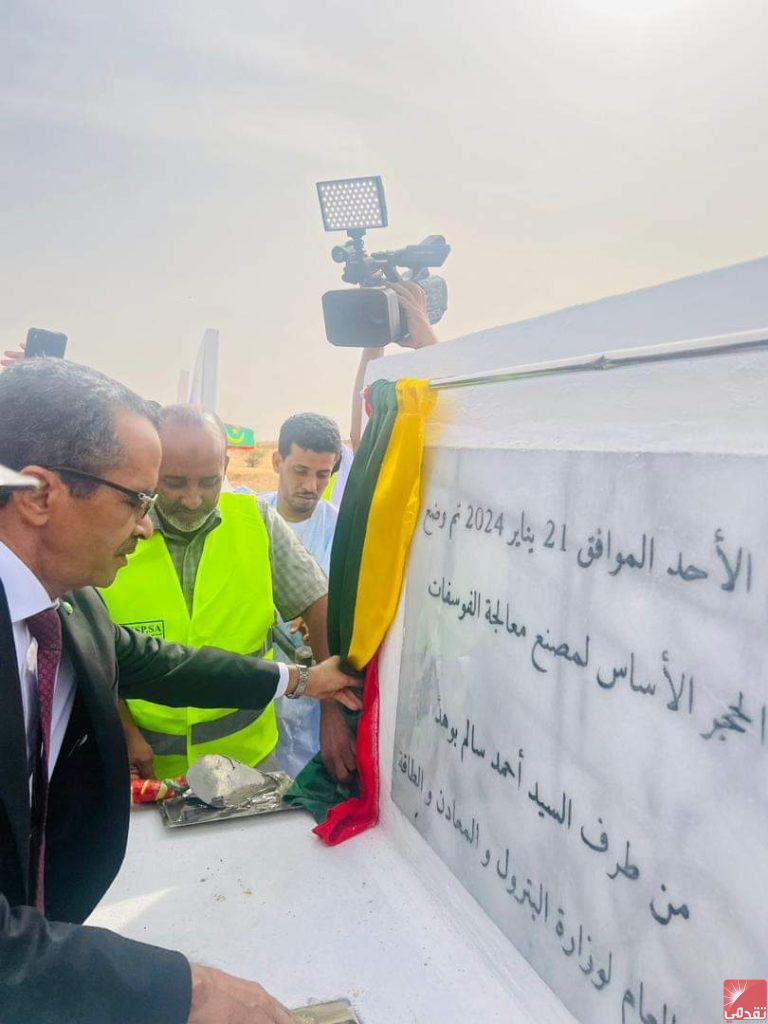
<point>144,502</point>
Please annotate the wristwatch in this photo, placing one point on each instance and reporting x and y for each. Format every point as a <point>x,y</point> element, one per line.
<point>301,686</point>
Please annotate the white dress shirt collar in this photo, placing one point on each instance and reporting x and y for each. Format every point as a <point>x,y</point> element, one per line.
<point>25,593</point>
<point>27,596</point>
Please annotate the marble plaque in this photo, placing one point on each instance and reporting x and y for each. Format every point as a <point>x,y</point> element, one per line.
<point>582,732</point>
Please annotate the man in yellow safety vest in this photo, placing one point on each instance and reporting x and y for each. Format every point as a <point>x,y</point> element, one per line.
<point>214,570</point>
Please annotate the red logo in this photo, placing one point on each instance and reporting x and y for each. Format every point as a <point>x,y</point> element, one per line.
<point>745,1000</point>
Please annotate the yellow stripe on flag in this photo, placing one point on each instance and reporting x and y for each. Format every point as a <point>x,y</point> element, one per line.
<point>391,522</point>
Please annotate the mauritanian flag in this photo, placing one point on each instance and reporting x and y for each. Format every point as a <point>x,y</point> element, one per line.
<point>239,437</point>
<point>376,521</point>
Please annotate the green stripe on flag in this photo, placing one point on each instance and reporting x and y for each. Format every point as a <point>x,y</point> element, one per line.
<point>352,523</point>
<point>314,789</point>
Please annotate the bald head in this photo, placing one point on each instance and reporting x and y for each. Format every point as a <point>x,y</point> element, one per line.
<point>193,465</point>
<point>192,416</point>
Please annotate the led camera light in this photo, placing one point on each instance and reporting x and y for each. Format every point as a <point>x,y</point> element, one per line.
<point>370,316</point>
<point>352,204</point>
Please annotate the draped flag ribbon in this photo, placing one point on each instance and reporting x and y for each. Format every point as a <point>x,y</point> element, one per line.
<point>376,522</point>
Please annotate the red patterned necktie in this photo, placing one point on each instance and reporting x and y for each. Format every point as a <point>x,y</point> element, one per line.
<point>45,627</point>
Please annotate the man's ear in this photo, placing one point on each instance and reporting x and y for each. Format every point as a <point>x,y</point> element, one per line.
<point>35,507</point>
<point>226,464</point>
<point>277,461</point>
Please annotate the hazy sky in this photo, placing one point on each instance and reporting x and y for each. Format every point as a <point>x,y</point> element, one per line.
<point>158,162</point>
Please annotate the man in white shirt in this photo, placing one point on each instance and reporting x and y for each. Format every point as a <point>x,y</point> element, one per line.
<point>308,452</point>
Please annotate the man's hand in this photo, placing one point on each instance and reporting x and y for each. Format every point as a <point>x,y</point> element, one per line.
<point>315,617</point>
<point>140,754</point>
<point>219,998</point>
<point>299,626</point>
<point>413,302</point>
<point>12,356</point>
<point>141,757</point>
<point>326,680</point>
<point>337,744</point>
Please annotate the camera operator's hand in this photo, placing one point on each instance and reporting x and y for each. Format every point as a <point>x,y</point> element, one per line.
<point>12,356</point>
<point>413,303</point>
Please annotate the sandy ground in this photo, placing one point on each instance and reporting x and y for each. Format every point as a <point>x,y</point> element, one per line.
<point>253,468</point>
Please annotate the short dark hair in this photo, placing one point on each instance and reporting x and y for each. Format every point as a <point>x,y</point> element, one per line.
<point>312,431</point>
<point>192,416</point>
<point>57,413</point>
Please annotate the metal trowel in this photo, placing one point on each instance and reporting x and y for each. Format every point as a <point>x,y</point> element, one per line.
<point>338,1012</point>
<point>221,787</point>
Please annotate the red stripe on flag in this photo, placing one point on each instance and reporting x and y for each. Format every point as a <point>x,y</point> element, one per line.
<point>361,812</point>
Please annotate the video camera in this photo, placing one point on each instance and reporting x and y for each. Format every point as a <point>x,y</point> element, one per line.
<point>370,317</point>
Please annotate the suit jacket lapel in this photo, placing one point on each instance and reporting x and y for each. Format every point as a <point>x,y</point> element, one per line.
<point>99,699</point>
<point>14,775</point>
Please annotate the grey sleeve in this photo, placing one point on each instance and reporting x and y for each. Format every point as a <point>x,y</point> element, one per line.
<point>297,579</point>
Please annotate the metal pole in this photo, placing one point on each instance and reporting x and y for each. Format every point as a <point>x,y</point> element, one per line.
<point>722,344</point>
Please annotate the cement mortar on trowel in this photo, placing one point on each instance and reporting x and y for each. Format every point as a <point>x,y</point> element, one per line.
<point>220,781</point>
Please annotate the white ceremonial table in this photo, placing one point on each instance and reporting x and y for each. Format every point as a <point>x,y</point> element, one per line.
<point>264,899</point>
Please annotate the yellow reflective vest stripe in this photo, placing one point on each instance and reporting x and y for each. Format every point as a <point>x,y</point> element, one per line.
<point>232,608</point>
<point>329,486</point>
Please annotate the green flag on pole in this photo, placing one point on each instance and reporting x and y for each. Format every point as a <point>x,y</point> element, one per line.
<point>239,437</point>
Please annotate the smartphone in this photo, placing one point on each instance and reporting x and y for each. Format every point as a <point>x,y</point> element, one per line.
<point>45,343</point>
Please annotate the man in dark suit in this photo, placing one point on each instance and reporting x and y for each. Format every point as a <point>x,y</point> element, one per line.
<point>91,445</point>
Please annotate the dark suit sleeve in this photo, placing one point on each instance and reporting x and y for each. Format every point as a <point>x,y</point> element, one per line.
<point>204,677</point>
<point>52,972</point>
